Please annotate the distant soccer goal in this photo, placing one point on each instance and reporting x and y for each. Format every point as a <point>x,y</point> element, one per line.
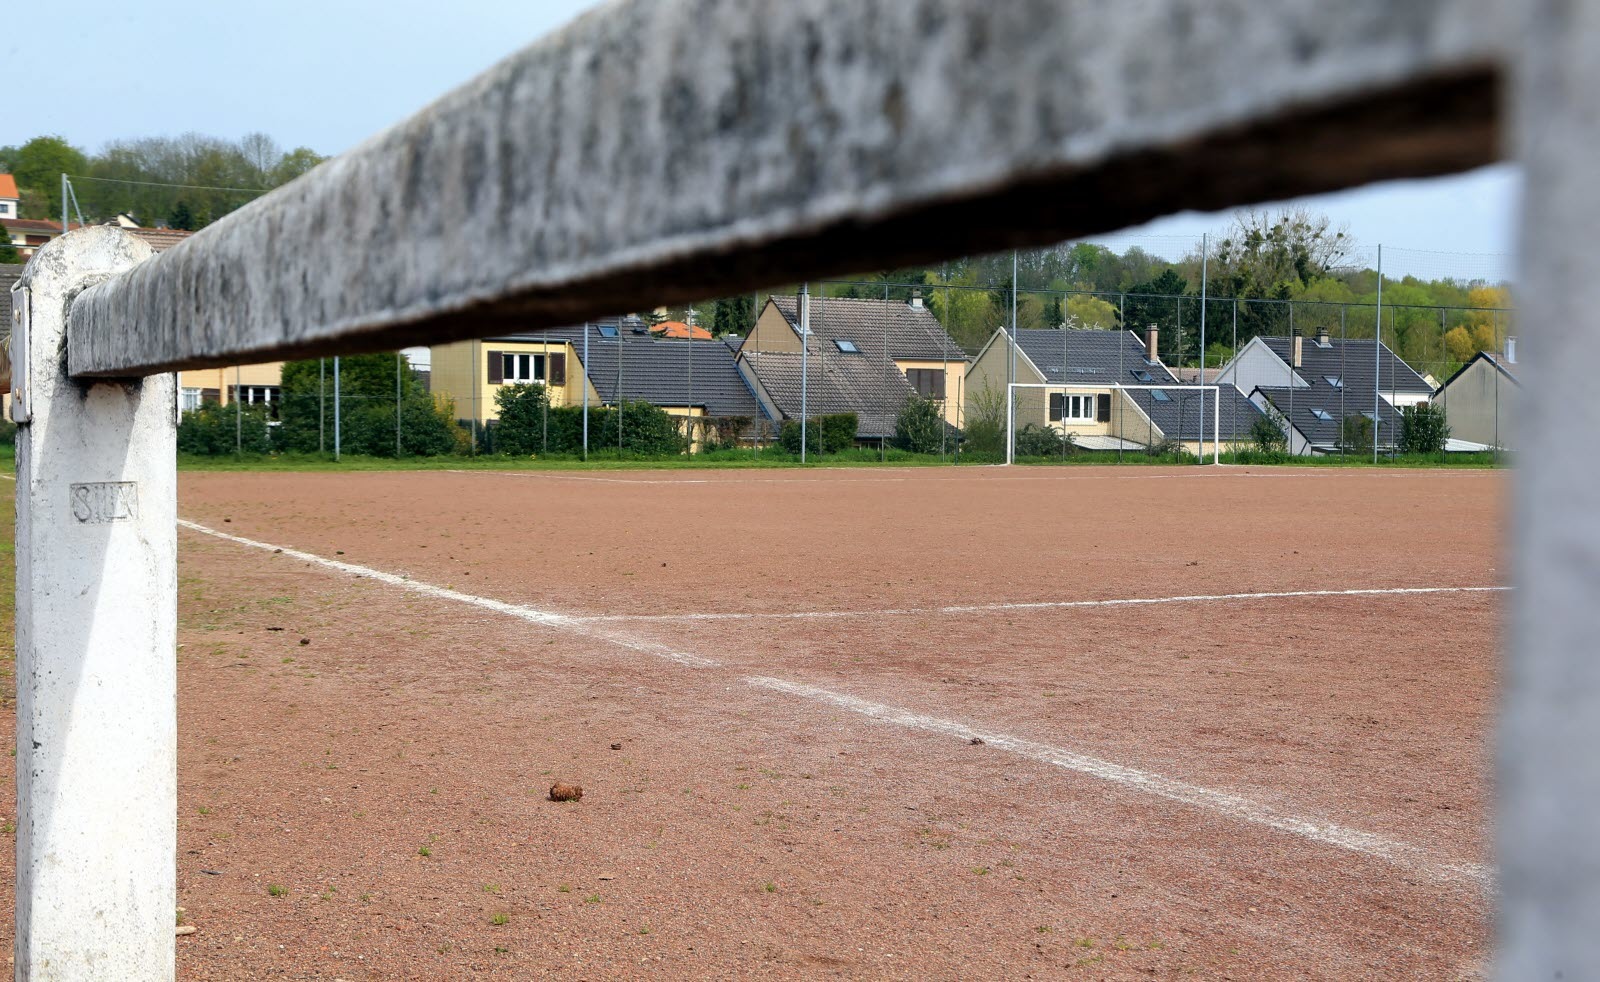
<point>1045,420</point>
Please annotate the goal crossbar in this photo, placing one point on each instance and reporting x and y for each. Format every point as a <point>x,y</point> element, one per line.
<point>1175,392</point>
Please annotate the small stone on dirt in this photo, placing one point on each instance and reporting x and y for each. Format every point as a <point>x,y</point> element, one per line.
<point>565,792</point>
<point>184,929</point>
<point>275,551</point>
<point>212,872</point>
<point>616,746</point>
<point>976,741</point>
<point>305,640</point>
<point>274,628</point>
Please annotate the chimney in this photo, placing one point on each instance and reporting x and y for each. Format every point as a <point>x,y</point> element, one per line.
<point>1322,337</point>
<point>1152,344</point>
<point>1296,344</point>
<point>1511,350</point>
<point>916,299</point>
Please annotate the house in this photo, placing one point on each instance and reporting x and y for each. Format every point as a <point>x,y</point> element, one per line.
<point>685,377</point>
<point>1479,399</point>
<point>866,384</point>
<point>858,334</point>
<point>1093,369</point>
<point>10,198</point>
<point>1314,384</point>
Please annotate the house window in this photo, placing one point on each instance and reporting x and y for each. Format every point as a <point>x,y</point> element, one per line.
<point>1141,376</point>
<point>1323,415</point>
<point>848,347</point>
<point>1335,381</point>
<point>256,395</point>
<point>5,210</point>
<point>520,369</point>
<point>929,382</point>
<point>1159,396</point>
<point>607,330</point>
<point>1066,408</point>
<point>189,399</point>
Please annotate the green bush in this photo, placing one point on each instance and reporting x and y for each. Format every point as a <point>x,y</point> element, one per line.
<point>1423,429</point>
<point>522,427</point>
<point>214,429</point>
<point>1268,432</point>
<point>824,434</point>
<point>919,427</point>
<point>1035,440</point>
<point>1356,434</point>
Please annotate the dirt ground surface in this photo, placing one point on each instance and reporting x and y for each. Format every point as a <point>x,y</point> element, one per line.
<point>838,723</point>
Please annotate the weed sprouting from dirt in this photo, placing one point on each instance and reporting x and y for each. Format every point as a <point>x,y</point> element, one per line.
<point>277,890</point>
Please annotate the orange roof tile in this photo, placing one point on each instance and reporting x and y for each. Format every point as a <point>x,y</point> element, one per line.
<point>8,186</point>
<point>678,329</point>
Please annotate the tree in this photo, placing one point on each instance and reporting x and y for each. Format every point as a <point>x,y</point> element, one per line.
<point>1089,312</point>
<point>733,315</point>
<point>1291,246</point>
<point>38,165</point>
<point>367,408</point>
<point>181,217</point>
<point>8,252</point>
<point>1423,429</point>
<point>919,427</point>
<point>1356,434</point>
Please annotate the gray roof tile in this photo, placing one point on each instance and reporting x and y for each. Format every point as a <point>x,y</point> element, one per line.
<point>910,333</point>
<point>864,384</point>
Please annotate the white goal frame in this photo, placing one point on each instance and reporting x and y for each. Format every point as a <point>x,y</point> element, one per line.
<point>1069,387</point>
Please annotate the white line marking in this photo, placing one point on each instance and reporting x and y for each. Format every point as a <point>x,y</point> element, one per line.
<point>1221,802</point>
<point>533,615</point>
<point>1228,805</point>
<point>1031,605</point>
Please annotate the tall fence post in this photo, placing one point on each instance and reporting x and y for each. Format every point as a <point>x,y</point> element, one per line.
<point>96,553</point>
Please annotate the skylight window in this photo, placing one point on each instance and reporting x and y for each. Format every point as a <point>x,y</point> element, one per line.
<point>848,347</point>
<point>1335,381</point>
<point>1375,420</point>
<point>608,330</point>
<point>1140,375</point>
<point>1323,415</point>
<point>1159,396</point>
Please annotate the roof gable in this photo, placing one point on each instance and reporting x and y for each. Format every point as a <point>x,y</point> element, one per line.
<point>8,187</point>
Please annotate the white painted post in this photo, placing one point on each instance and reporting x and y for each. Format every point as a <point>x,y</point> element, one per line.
<point>96,640</point>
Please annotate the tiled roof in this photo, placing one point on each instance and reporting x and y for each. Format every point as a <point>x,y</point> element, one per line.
<point>910,333</point>
<point>678,329</point>
<point>161,239</point>
<point>665,372</point>
<point>1299,407</point>
<point>1088,357</point>
<point>35,225</point>
<point>864,384</point>
<point>8,186</point>
<point>1352,360</point>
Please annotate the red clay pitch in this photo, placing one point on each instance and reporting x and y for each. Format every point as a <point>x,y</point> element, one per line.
<point>392,775</point>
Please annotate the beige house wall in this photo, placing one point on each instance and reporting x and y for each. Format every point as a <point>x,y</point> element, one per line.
<point>461,373</point>
<point>221,379</point>
<point>1478,405</point>
<point>772,331</point>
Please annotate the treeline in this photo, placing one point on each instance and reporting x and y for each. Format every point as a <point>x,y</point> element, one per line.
<point>187,181</point>
<point>1289,270</point>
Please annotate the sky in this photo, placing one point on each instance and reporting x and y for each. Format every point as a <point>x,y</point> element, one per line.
<point>329,73</point>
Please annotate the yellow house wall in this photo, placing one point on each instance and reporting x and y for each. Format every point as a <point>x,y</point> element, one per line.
<point>461,373</point>
<point>268,373</point>
<point>954,383</point>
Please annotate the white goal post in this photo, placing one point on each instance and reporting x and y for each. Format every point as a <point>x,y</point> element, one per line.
<point>1098,405</point>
